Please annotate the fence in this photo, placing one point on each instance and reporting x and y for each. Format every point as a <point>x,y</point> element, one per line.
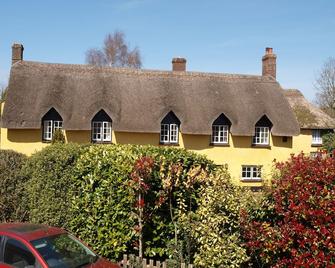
<point>135,262</point>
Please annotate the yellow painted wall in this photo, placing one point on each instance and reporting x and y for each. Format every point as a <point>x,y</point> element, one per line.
<point>238,153</point>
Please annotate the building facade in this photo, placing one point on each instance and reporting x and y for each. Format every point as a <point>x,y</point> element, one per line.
<point>243,121</point>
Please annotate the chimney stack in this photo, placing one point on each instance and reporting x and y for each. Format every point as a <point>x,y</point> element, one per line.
<point>269,63</point>
<point>179,64</point>
<point>17,53</point>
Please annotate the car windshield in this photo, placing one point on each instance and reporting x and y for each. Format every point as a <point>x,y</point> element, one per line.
<point>64,251</point>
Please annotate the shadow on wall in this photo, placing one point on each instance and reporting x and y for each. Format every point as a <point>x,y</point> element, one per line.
<point>24,135</point>
<point>79,136</point>
<point>136,138</point>
<point>285,142</point>
<point>196,142</point>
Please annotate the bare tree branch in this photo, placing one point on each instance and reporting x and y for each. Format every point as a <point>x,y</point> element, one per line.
<point>115,53</point>
<point>325,85</point>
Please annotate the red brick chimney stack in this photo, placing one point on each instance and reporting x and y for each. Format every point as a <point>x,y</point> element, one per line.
<point>179,64</point>
<point>269,63</point>
<point>17,53</point>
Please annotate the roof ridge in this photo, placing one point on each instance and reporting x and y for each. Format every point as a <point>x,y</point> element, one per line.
<point>148,71</point>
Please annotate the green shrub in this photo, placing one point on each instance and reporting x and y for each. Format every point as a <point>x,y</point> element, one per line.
<point>217,222</point>
<point>104,204</point>
<point>58,137</point>
<point>297,228</point>
<point>11,186</point>
<point>50,183</point>
<point>328,141</point>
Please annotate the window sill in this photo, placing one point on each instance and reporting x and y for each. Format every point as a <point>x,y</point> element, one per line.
<point>316,144</point>
<point>46,141</point>
<point>219,144</point>
<point>101,142</point>
<point>169,143</point>
<point>261,145</point>
<point>251,180</point>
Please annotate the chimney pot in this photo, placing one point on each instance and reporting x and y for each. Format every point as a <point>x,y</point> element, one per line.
<point>269,63</point>
<point>268,50</point>
<point>17,52</point>
<point>179,64</point>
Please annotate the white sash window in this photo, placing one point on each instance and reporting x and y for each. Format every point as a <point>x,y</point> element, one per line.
<point>101,131</point>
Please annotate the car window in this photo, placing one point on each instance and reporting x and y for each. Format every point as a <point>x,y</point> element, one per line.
<point>18,255</point>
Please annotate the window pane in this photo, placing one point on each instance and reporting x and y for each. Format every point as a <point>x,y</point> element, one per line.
<point>316,136</point>
<point>261,135</point>
<point>220,134</point>
<point>173,133</point>
<point>164,133</point>
<point>96,131</point>
<point>18,255</point>
<point>251,172</point>
<point>47,130</point>
<point>107,131</point>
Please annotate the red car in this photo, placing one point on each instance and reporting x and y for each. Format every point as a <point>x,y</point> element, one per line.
<point>26,245</point>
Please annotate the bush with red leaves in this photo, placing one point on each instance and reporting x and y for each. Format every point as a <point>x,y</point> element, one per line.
<point>295,226</point>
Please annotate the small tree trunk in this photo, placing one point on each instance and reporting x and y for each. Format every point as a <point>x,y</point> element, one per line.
<point>140,225</point>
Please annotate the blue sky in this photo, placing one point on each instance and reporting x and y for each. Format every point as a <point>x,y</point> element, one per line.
<point>214,35</point>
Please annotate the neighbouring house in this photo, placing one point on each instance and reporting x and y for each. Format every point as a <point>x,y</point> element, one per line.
<point>244,121</point>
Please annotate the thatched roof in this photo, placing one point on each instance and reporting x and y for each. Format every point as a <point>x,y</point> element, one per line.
<point>137,100</point>
<point>308,115</point>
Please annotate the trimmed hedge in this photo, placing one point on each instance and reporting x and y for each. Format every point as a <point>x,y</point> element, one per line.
<point>103,207</point>
<point>11,186</point>
<point>49,175</point>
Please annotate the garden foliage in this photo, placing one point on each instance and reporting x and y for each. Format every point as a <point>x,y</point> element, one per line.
<point>49,188</point>
<point>105,205</point>
<point>11,186</point>
<point>295,226</point>
<point>217,222</point>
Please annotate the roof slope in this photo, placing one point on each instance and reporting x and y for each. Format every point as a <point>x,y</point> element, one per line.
<point>137,100</point>
<point>308,115</point>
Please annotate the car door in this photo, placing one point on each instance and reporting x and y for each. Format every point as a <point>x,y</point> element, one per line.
<point>17,254</point>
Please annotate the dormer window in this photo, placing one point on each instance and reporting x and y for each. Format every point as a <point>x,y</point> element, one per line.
<point>220,130</point>
<point>262,132</point>
<point>51,121</point>
<point>316,137</point>
<point>169,129</point>
<point>101,127</point>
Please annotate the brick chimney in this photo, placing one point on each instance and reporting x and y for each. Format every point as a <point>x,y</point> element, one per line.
<point>179,64</point>
<point>17,53</point>
<point>269,63</point>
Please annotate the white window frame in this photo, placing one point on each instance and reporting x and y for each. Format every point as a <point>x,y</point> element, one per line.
<point>262,136</point>
<point>49,128</point>
<point>220,134</point>
<point>101,131</point>
<point>251,173</point>
<point>316,137</point>
<point>169,133</point>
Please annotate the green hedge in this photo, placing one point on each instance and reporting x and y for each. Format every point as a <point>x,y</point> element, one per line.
<point>104,203</point>
<point>11,186</point>
<point>49,188</point>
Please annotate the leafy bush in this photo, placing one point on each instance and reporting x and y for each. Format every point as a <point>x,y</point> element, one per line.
<point>297,229</point>
<point>217,225</point>
<point>11,186</point>
<point>104,210</point>
<point>58,137</point>
<point>50,183</point>
<point>328,141</point>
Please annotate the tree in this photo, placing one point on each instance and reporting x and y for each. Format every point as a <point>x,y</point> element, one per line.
<point>325,85</point>
<point>3,92</point>
<point>115,52</point>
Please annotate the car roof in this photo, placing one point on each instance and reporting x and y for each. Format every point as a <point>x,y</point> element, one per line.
<point>29,231</point>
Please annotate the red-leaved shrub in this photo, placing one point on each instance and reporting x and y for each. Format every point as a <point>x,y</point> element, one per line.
<point>295,227</point>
